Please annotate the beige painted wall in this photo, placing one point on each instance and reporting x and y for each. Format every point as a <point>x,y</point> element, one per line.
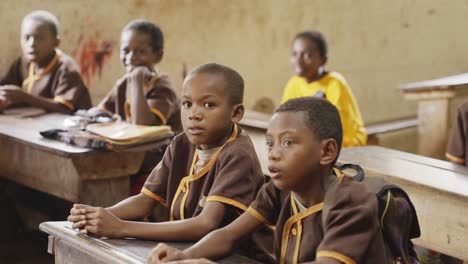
<point>376,45</point>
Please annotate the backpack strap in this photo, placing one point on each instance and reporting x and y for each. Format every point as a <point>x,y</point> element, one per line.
<point>359,171</point>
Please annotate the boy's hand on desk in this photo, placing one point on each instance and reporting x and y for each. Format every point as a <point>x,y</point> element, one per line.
<point>78,216</point>
<point>163,253</point>
<point>100,222</point>
<point>12,94</point>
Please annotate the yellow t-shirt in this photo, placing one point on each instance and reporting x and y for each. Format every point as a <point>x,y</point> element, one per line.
<point>339,94</point>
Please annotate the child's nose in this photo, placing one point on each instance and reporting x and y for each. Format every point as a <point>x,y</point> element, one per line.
<point>273,154</point>
<point>195,114</point>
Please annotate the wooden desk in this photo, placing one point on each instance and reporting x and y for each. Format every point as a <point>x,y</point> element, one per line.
<point>438,189</point>
<point>69,246</point>
<point>71,173</point>
<point>433,98</point>
<point>256,125</point>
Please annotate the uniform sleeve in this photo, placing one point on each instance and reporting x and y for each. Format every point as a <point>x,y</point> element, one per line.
<point>341,96</point>
<point>457,143</point>
<point>13,75</point>
<point>157,182</point>
<point>162,100</point>
<point>71,91</point>
<point>267,205</point>
<point>289,91</point>
<point>238,178</point>
<point>351,225</point>
<point>107,104</point>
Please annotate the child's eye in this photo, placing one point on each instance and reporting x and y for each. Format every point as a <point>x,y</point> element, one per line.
<point>186,104</point>
<point>287,142</point>
<point>209,105</point>
<point>269,143</point>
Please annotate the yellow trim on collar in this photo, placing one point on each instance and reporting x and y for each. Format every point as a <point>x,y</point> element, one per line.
<point>32,77</point>
<point>185,182</point>
<point>297,217</point>
<point>154,196</point>
<point>66,103</point>
<point>335,255</point>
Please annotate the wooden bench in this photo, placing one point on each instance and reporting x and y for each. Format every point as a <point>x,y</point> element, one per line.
<point>438,189</point>
<point>71,173</point>
<point>256,124</point>
<point>433,97</point>
<point>70,246</point>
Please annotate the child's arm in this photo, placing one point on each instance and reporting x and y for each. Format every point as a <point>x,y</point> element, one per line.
<point>134,207</point>
<point>141,113</point>
<point>102,223</point>
<point>13,95</point>
<point>215,245</point>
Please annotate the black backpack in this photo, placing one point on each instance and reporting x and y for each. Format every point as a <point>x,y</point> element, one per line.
<point>397,215</point>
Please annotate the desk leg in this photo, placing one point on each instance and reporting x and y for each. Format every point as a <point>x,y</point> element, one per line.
<point>433,127</point>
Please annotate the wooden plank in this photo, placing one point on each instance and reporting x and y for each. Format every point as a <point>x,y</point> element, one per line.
<point>439,83</point>
<point>71,173</point>
<point>438,189</point>
<point>72,247</point>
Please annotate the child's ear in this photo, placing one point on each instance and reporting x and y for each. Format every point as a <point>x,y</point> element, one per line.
<point>329,151</point>
<point>57,42</point>
<point>237,113</point>
<point>324,60</point>
<point>158,55</point>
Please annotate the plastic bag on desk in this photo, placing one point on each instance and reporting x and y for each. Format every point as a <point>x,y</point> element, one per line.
<point>82,118</point>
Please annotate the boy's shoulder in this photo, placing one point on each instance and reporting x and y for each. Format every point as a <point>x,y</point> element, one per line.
<point>242,145</point>
<point>67,63</point>
<point>349,193</point>
<point>335,77</point>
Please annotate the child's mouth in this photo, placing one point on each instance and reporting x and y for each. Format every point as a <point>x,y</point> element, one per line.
<point>195,130</point>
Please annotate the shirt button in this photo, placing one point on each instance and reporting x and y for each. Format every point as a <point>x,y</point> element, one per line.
<point>294,231</point>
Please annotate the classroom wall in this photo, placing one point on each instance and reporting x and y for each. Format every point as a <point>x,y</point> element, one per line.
<point>376,45</point>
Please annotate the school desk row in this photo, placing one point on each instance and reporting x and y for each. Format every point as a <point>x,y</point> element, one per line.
<point>438,189</point>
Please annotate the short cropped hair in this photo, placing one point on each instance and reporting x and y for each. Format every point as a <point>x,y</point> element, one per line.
<point>149,28</point>
<point>234,81</point>
<point>322,117</point>
<point>45,17</point>
<point>317,38</point>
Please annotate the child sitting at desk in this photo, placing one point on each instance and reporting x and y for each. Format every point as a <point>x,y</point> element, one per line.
<point>304,140</point>
<point>308,58</point>
<point>207,177</point>
<point>44,76</point>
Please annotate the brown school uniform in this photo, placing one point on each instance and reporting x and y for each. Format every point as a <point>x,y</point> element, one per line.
<point>457,146</point>
<point>160,96</point>
<point>60,80</point>
<point>232,176</point>
<point>350,233</point>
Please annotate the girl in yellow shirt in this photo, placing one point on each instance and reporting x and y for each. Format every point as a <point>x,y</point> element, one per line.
<point>308,57</point>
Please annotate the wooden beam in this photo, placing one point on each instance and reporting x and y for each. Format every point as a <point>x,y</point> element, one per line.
<point>438,189</point>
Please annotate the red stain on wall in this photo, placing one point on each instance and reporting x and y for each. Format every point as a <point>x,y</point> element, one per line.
<point>92,54</point>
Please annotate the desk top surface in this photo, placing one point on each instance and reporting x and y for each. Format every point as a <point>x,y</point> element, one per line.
<point>24,124</point>
<point>117,250</point>
<point>433,173</point>
<point>454,80</point>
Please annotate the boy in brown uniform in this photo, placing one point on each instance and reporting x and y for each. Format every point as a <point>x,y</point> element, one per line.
<point>44,76</point>
<point>207,176</point>
<point>320,215</point>
<point>142,96</point>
